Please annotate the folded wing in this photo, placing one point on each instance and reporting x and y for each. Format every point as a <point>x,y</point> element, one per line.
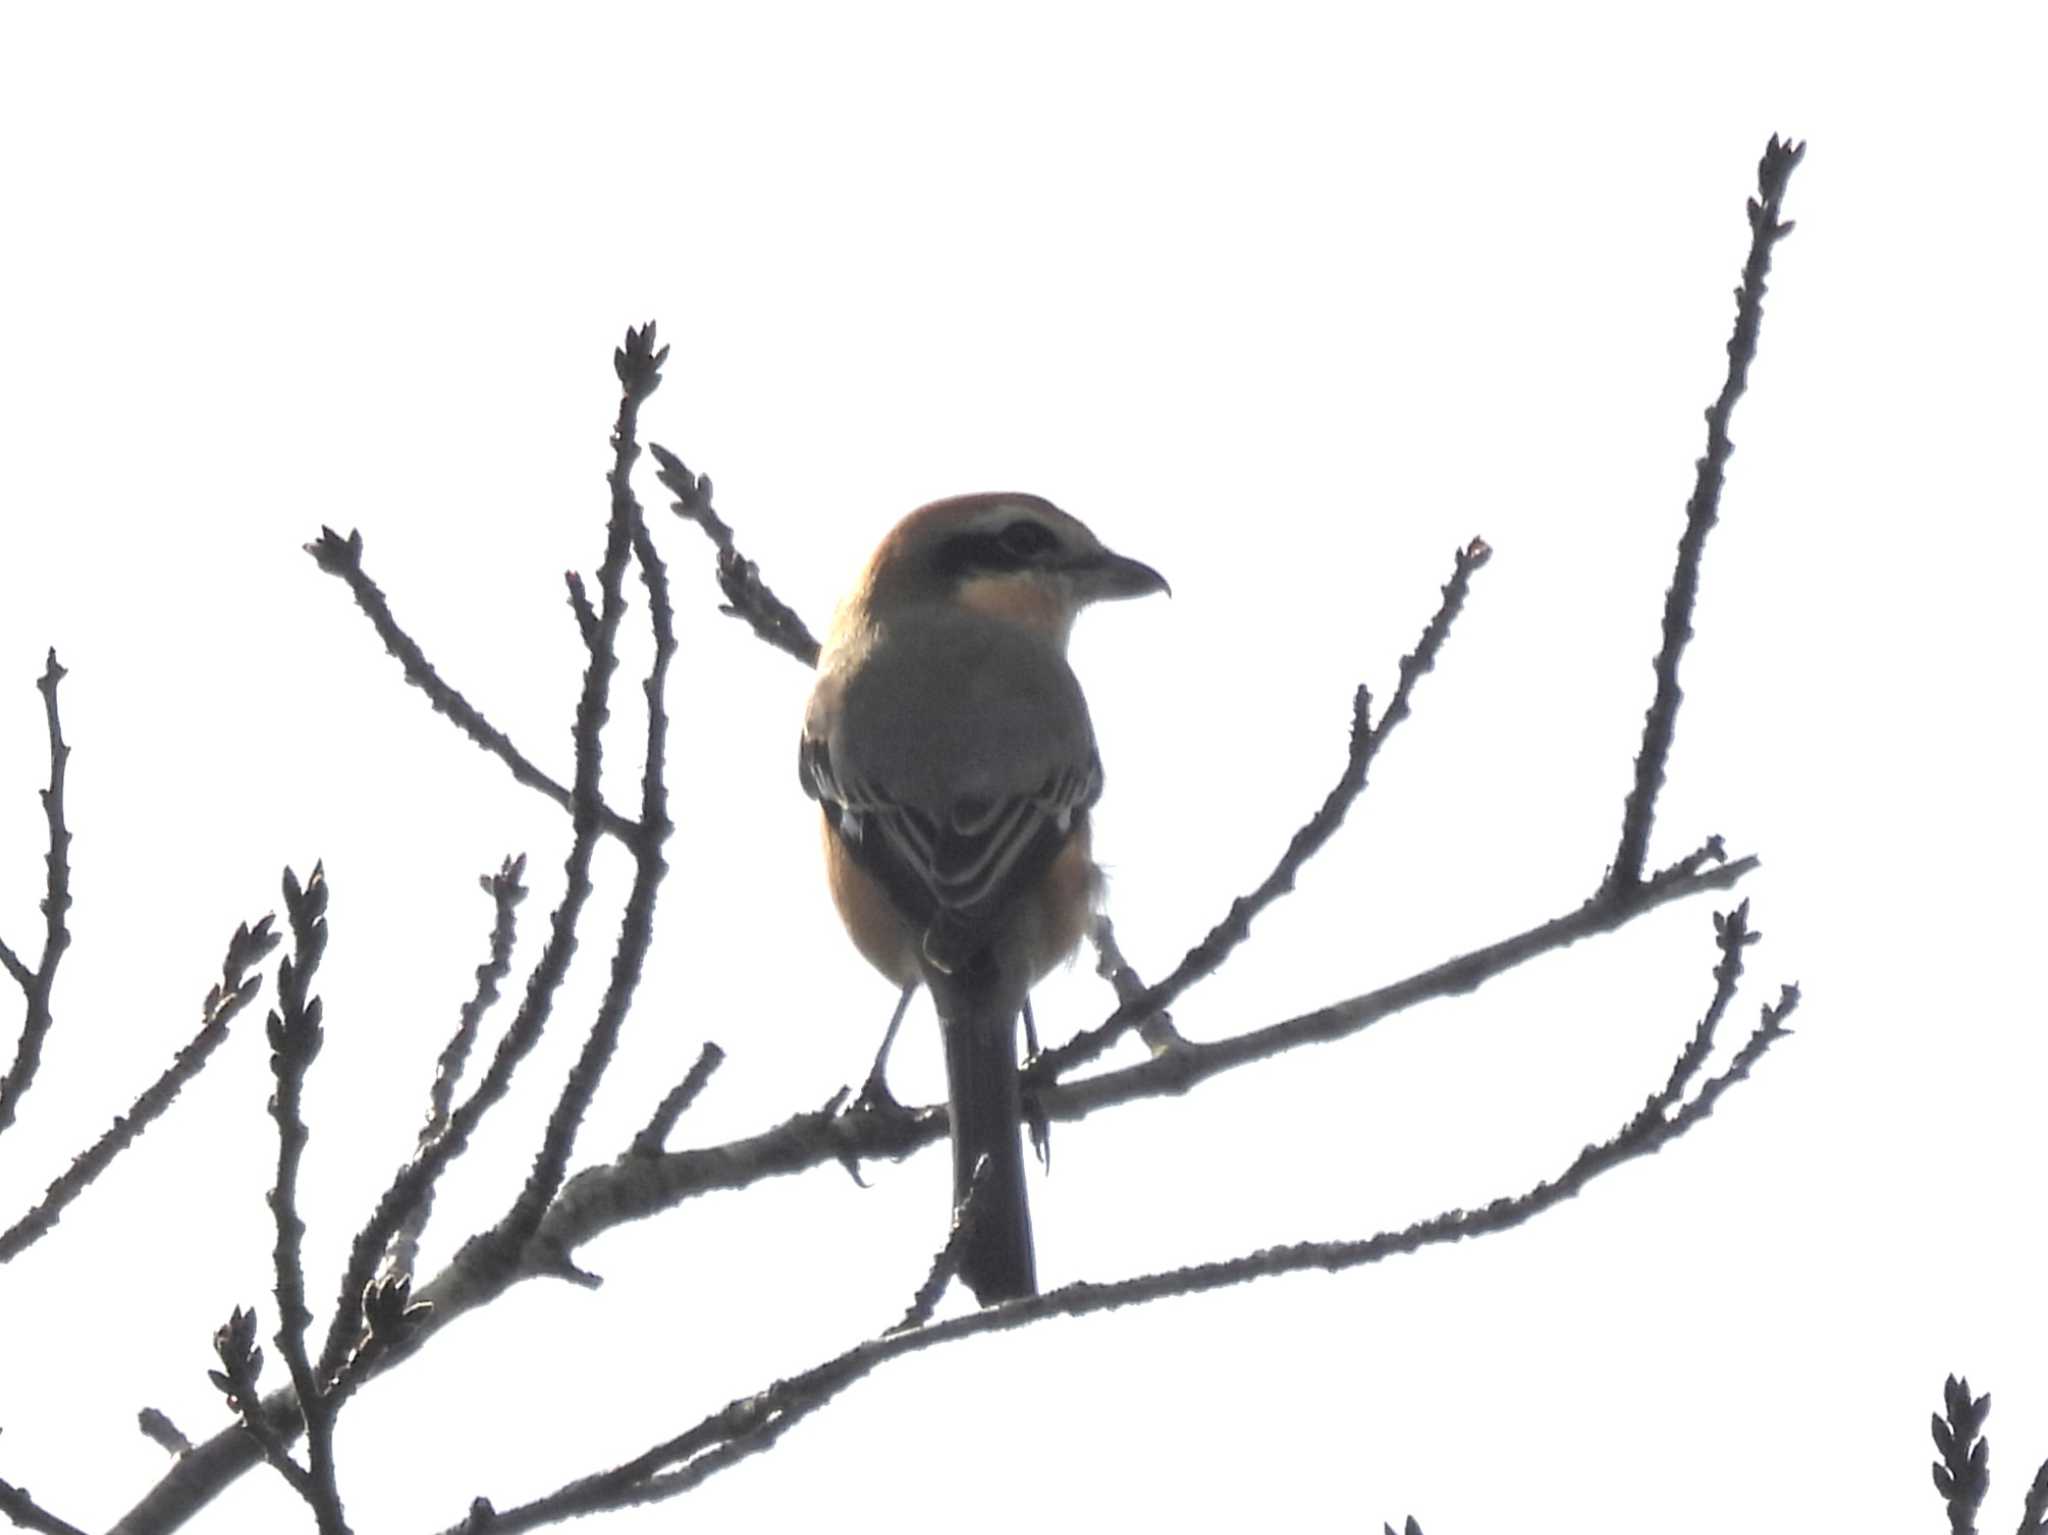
<point>957,868</point>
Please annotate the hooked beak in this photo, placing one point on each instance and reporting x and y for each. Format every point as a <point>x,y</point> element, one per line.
<point>1106,575</point>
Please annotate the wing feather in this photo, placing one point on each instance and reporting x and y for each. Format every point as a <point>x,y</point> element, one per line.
<point>957,875</point>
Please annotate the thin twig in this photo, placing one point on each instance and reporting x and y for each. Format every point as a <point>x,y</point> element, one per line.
<point>653,1136</point>
<point>1366,740</point>
<point>1963,1474</point>
<point>295,1038</point>
<point>747,596</point>
<point>1156,1029</point>
<point>506,889</point>
<point>946,1261</point>
<point>1661,720</point>
<point>1197,1061</point>
<point>25,1511</point>
<point>35,1026</point>
<point>639,366</point>
<point>1733,934</point>
<point>343,558</point>
<point>2034,1514</point>
<point>256,1429</point>
<point>235,990</point>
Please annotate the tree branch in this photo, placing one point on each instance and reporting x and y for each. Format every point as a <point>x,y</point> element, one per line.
<point>1660,722</point>
<point>28,1514</point>
<point>1206,957</point>
<point>749,1425</point>
<point>747,596</point>
<point>295,1039</point>
<point>507,890</point>
<point>636,1185</point>
<point>653,1136</point>
<point>1963,1474</point>
<point>37,986</point>
<point>343,558</point>
<point>638,366</point>
<point>552,1217</point>
<point>235,990</point>
<point>631,1188</point>
<point>640,370</point>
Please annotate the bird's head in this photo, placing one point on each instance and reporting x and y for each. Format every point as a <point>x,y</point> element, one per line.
<point>1012,556</point>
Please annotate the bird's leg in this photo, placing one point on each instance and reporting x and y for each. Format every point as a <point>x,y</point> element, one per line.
<point>1034,1116</point>
<point>874,1093</point>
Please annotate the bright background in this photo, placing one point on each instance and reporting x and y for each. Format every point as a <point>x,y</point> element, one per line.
<point>1290,307</point>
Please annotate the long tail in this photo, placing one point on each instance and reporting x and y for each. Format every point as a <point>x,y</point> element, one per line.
<point>980,1031</point>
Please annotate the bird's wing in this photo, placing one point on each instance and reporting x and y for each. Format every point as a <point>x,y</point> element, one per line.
<point>954,870</point>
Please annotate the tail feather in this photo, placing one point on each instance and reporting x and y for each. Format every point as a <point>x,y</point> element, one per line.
<point>987,1106</point>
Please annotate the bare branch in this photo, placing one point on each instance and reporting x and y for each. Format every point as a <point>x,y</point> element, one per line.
<point>638,366</point>
<point>599,1198</point>
<point>18,1505</point>
<point>2034,1515</point>
<point>1963,1474</point>
<point>37,986</point>
<point>1155,1029</point>
<point>343,558</point>
<point>295,1039</point>
<point>749,1425</point>
<point>506,889</point>
<point>257,1431</point>
<point>637,1185</point>
<point>946,1261</point>
<point>1661,721</point>
<point>552,1218</point>
<point>653,1136</point>
<point>1366,739</point>
<point>639,370</point>
<point>747,596</point>
<point>27,1513</point>
<point>235,990</point>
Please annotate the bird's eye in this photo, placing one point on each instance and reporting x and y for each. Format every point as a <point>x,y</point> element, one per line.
<point>1026,538</point>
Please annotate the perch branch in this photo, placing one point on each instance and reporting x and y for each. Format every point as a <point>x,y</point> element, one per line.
<point>750,1424</point>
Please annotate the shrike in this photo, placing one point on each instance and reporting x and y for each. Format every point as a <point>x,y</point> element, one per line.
<point>949,746</point>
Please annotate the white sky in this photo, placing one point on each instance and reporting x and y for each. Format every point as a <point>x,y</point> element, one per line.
<point>1289,308</point>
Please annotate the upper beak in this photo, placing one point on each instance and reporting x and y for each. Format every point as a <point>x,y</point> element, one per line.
<point>1112,575</point>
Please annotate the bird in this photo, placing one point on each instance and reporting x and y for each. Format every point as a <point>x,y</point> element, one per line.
<point>949,747</point>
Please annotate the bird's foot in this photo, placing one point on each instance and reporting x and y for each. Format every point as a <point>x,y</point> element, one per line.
<point>876,1099</point>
